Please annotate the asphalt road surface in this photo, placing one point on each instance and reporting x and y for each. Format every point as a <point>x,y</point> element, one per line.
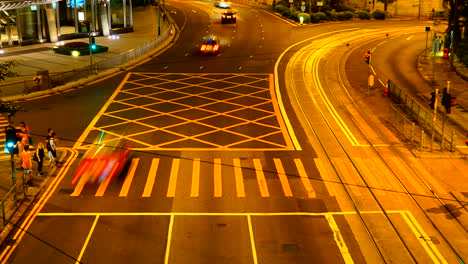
<point>225,166</point>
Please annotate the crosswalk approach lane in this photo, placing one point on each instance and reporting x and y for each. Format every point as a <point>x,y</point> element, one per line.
<point>304,178</point>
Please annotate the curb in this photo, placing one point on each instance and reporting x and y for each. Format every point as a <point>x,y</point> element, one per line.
<point>88,79</point>
<point>26,204</point>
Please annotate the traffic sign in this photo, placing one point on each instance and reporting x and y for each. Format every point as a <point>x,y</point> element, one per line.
<point>303,8</point>
<point>303,3</point>
<point>319,3</point>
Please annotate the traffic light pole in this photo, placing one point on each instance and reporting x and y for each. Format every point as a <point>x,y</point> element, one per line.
<point>434,117</point>
<point>13,173</point>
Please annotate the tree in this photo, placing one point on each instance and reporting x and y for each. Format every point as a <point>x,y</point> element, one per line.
<point>6,68</point>
<point>386,2</point>
<point>6,71</point>
<point>458,18</point>
<point>10,109</point>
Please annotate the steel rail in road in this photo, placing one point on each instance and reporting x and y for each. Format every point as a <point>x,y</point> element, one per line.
<point>319,53</point>
<point>415,172</point>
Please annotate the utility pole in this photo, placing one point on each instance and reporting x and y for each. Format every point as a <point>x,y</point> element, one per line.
<point>159,18</point>
<point>434,117</point>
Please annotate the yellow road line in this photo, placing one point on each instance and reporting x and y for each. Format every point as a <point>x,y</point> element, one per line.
<point>17,237</point>
<point>304,178</point>
<point>129,178</point>
<point>218,189</point>
<point>194,191</point>
<point>421,236</point>
<point>78,260</point>
<point>283,178</point>
<point>173,178</point>
<point>101,112</point>
<point>239,178</point>
<point>102,187</point>
<point>252,240</point>
<point>326,177</point>
<point>339,239</point>
<point>169,237</point>
<point>281,122</point>
<point>218,214</point>
<point>151,178</point>
<point>261,178</point>
<point>79,186</point>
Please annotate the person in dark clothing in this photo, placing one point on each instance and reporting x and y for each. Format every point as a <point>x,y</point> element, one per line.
<point>39,157</point>
<point>51,147</point>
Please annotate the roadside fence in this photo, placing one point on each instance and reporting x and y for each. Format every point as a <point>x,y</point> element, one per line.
<point>12,201</point>
<point>46,80</point>
<point>418,124</point>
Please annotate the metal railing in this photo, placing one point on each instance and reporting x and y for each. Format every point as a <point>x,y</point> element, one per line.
<point>417,123</point>
<point>12,201</point>
<point>59,78</point>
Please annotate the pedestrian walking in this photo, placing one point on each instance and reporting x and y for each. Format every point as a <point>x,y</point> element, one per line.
<point>39,157</point>
<point>441,43</point>
<point>51,147</point>
<point>25,131</point>
<point>26,164</point>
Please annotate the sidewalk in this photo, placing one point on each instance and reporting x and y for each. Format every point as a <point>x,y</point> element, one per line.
<point>458,86</point>
<point>40,57</point>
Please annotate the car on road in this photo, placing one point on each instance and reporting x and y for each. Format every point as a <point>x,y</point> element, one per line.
<point>210,46</point>
<point>222,4</point>
<point>102,161</point>
<point>228,16</point>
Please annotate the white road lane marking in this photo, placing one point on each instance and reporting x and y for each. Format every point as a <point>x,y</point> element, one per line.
<point>252,240</point>
<point>339,239</point>
<point>90,233</point>
<point>169,237</point>
<point>427,244</point>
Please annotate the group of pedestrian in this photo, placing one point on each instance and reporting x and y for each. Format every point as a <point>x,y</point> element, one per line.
<point>24,145</point>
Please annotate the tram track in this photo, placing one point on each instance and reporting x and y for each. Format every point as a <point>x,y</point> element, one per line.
<point>315,64</point>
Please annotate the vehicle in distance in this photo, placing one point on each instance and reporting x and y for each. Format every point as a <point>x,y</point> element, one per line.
<point>228,16</point>
<point>102,161</point>
<point>209,46</point>
<point>222,4</point>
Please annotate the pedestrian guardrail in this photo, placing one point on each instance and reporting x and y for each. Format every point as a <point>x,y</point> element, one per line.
<point>50,80</point>
<point>11,201</point>
<point>417,123</point>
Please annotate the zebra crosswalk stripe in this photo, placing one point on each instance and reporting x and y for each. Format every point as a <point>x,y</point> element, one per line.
<point>151,178</point>
<point>173,178</point>
<point>128,180</point>
<point>239,178</point>
<point>369,176</point>
<point>261,178</point>
<point>304,178</point>
<point>218,190</point>
<point>325,176</point>
<point>283,178</point>
<point>342,167</point>
<point>194,190</point>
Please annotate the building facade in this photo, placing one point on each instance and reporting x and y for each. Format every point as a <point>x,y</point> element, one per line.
<point>38,21</point>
